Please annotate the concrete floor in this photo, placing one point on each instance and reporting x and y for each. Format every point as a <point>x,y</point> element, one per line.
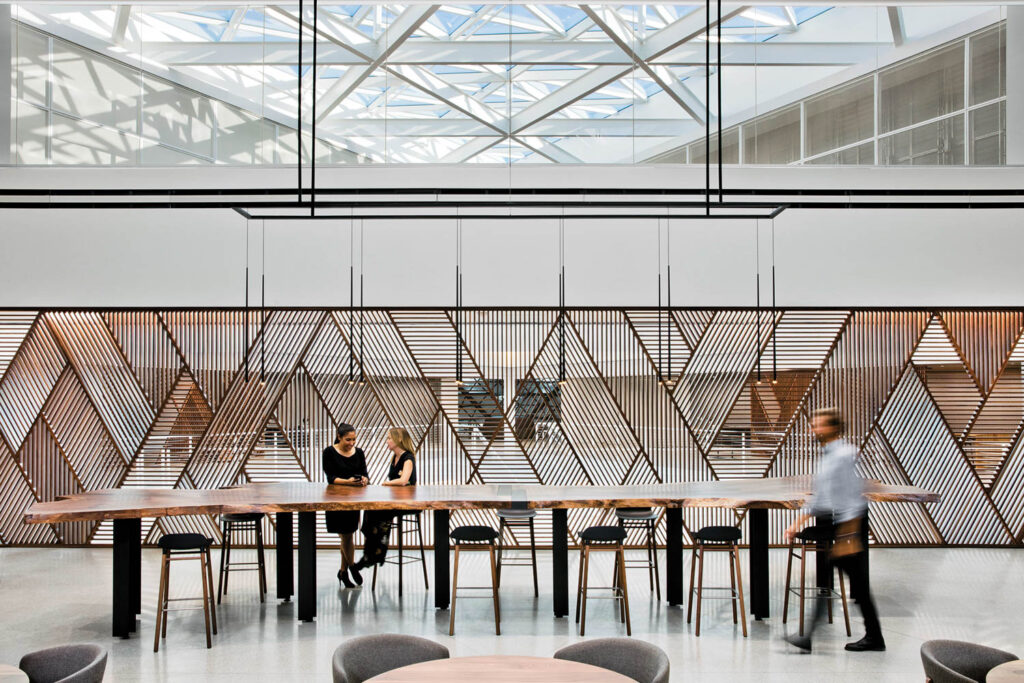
<point>51,596</point>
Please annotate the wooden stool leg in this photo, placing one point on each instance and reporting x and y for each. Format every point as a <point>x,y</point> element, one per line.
<point>700,588</point>
<point>209,578</point>
<point>625,591</point>
<point>261,560</point>
<point>401,563</point>
<point>693,574</point>
<point>846,610</point>
<point>494,592</point>
<point>739,587</point>
<point>167,597</point>
<point>579,585</point>
<point>586,575</point>
<point>161,616</point>
<point>206,600</point>
<point>789,576</point>
<point>732,584</point>
<point>423,554</point>
<point>224,545</point>
<point>501,545</point>
<point>654,553</point>
<point>455,591</point>
<point>803,582</point>
<point>533,560</point>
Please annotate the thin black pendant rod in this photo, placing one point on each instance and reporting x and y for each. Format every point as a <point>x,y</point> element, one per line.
<point>298,105</point>
<point>312,150</point>
<point>775,365</point>
<point>707,106</point>
<point>263,304</point>
<point>245,319</point>
<point>661,377</point>
<point>351,317</point>
<point>721,196</point>
<point>668,319</point>
<point>362,308</point>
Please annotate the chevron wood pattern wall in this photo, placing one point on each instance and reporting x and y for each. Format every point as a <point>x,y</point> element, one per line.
<point>96,399</point>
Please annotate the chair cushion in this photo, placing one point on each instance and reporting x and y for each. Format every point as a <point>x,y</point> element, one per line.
<point>813,534</point>
<point>516,514</point>
<point>636,513</point>
<point>242,517</point>
<point>72,663</point>
<point>634,659</point>
<point>473,534</point>
<point>603,534</point>
<point>949,661</point>
<point>363,657</point>
<point>184,542</point>
<point>718,534</point>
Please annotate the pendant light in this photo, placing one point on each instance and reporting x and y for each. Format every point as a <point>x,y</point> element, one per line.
<point>362,308</point>
<point>757,287</point>
<point>458,300</point>
<point>561,300</point>
<point>351,301</point>
<point>661,377</point>
<point>245,318</point>
<point>669,378</point>
<point>775,364</point>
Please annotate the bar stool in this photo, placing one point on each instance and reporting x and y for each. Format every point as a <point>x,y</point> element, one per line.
<point>475,538</point>
<point>517,519</point>
<point>717,539</point>
<point>645,519</point>
<point>414,516</point>
<point>808,539</point>
<point>231,524</point>
<point>595,539</point>
<point>184,547</point>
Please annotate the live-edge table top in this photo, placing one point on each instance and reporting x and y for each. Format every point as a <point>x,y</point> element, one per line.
<point>300,496</point>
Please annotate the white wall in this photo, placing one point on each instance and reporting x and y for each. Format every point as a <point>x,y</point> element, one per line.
<point>196,257</point>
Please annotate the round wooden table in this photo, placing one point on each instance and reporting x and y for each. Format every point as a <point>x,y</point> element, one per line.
<point>500,669</point>
<point>1010,672</point>
<point>12,674</point>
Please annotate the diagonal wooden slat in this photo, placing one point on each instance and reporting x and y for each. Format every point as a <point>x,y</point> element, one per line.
<point>985,339</point>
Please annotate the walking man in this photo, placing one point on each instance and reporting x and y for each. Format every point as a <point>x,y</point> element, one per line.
<point>840,507</point>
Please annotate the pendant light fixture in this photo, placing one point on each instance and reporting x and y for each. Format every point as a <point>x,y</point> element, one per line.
<point>362,309</point>
<point>721,195</point>
<point>458,300</point>
<point>312,138</point>
<point>757,288</point>
<point>661,377</point>
<point>561,301</point>
<point>245,318</point>
<point>669,377</point>
<point>775,364</point>
<point>351,301</point>
<point>298,107</point>
<point>263,304</point>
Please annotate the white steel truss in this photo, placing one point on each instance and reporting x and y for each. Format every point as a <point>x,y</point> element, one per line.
<point>482,83</point>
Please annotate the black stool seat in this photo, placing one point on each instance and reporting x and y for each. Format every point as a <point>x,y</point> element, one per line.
<point>517,514</point>
<point>472,534</point>
<point>603,534</point>
<point>636,513</point>
<point>718,534</point>
<point>184,542</point>
<point>242,517</point>
<point>813,534</point>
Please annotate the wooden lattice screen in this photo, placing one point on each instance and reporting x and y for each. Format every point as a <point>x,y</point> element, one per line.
<point>96,399</point>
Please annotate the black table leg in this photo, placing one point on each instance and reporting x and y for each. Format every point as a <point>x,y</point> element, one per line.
<point>560,561</point>
<point>442,581</point>
<point>757,525</point>
<point>307,566</point>
<point>127,598</point>
<point>285,558</point>
<point>674,556</point>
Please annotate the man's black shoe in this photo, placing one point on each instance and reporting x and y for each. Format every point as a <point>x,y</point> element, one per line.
<point>802,642</point>
<point>866,644</point>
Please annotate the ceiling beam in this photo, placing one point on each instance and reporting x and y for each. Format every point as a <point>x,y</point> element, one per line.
<point>899,30</point>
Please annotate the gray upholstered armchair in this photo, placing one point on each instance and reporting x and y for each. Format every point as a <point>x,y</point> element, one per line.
<point>65,664</point>
<point>954,661</point>
<point>636,659</point>
<point>363,657</point>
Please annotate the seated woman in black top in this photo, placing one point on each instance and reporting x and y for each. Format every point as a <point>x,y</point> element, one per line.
<point>377,523</point>
<point>345,465</point>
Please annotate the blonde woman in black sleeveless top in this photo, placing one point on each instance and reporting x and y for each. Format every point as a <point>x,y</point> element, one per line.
<point>377,523</point>
<point>345,465</point>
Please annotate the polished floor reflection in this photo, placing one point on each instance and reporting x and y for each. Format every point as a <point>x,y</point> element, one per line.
<point>52,596</point>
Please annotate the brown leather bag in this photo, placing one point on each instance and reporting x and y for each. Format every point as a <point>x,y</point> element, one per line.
<point>848,540</point>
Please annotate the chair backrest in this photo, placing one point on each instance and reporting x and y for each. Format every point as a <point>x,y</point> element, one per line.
<point>636,659</point>
<point>65,664</point>
<point>955,661</point>
<point>363,657</point>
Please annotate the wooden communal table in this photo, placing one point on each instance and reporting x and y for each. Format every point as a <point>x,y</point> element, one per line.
<point>127,506</point>
<point>1008,672</point>
<point>500,669</point>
